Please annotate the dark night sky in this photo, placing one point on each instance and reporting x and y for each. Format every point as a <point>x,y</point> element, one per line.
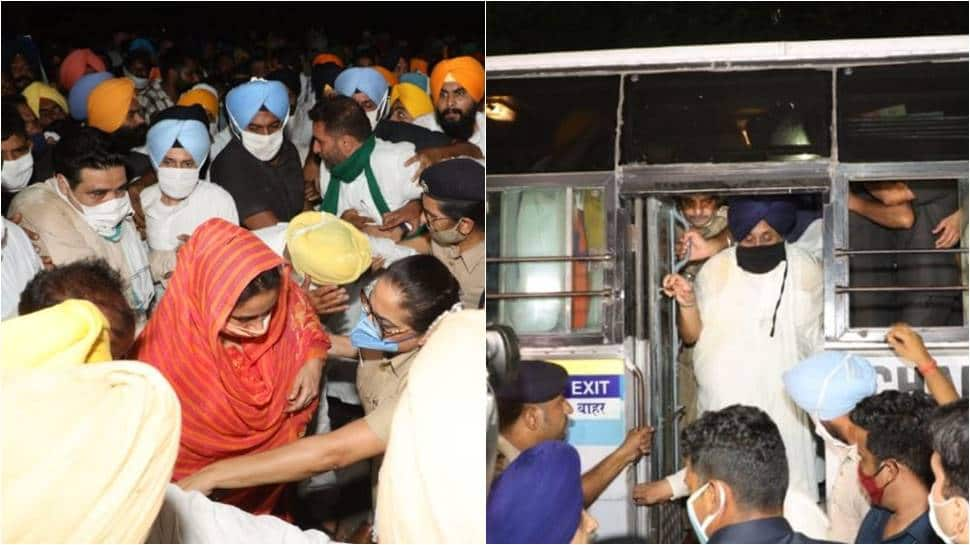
<point>543,27</point>
<point>342,20</point>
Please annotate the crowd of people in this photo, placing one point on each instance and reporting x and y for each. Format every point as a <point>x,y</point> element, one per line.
<point>760,392</point>
<point>268,251</point>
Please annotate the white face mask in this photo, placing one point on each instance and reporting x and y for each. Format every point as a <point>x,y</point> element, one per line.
<point>178,183</point>
<point>701,528</point>
<point>372,117</point>
<point>263,146</point>
<point>937,508</point>
<point>106,217</point>
<point>16,174</point>
<point>140,83</point>
<point>248,333</point>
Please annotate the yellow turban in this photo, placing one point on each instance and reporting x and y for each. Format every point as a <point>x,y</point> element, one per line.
<point>37,90</point>
<point>203,98</point>
<point>109,102</point>
<point>87,452</point>
<point>417,500</point>
<point>74,332</point>
<point>466,71</point>
<point>414,99</point>
<point>327,249</point>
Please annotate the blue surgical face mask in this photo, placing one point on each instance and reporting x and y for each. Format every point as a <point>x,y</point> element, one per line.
<point>366,335</point>
<point>700,528</point>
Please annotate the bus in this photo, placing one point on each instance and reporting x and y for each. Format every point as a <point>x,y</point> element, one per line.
<point>588,153</point>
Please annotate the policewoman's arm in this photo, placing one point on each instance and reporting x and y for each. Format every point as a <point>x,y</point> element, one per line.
<point>293,462</point>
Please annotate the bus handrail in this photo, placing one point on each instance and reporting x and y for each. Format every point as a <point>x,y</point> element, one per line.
<point>551,294</point>
<point>549,258</point>
<point>864,289</point>
<point>839,252</point>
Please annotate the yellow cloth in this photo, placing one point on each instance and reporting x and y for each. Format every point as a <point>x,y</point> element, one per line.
<point>109,102</point>
<point>327,249</point>
<point>87,452</point>
<point>203,98</point>
<point>432,483</point>
<point>414,99</point>
<point>467,71</point>
<point>73,332</point>
<point>388,75</point>
<point>38,90</point>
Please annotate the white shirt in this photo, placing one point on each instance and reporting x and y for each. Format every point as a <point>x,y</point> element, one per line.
<point>387,162</point>
<point>165,223</point>
<point>847,503</point>
<point>429,121</point>
<point>19,263</point>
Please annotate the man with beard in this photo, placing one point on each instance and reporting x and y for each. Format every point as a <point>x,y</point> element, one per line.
<point>179,73</point>
<point>457,89</point>
<point>532,409</point>
<point>151,96</point>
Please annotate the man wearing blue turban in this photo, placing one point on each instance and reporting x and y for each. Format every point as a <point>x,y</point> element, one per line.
<point>258,167</point>
<point>178,146</point>
<point>753,311</point>
<point>539,499</point>
<point>77,99</point>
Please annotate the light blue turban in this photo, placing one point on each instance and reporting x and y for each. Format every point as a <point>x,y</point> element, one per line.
<point>418,79</point>
<point>830,384</point>
<point>193,135</point>
<point>244,101</point>
<point>366,80</point>
<point>77,99</point>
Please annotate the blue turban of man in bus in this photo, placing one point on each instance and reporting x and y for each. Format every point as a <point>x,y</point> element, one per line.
<point>244,101</point>
<point>366,80</point>
<point>538,498</point>
<point>745,212</point>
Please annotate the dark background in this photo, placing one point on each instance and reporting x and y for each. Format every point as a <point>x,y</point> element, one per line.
<point>544,27</point>
<point>93,22</point>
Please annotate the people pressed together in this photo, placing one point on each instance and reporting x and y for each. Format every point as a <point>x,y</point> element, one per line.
<point>208,214</point>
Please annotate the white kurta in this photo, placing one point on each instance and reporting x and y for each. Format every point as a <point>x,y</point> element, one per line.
<point>430,122</point>
<point>387,162</point>
<point>165,224</point>
<point>735,359</point>
<point>20,263</point>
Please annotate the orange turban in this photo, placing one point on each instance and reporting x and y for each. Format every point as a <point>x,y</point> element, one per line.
<point>109,102</point>
<point>468,72</point>
<point>76,64</point>
<point>324,58</point>
<point>419,65</point>
<point>203,98</point>
<point>388,75</point>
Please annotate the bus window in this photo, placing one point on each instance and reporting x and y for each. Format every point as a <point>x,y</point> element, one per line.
<point>713,117</point>
<point>893,239</point>
<point>546,222</point>
<point>551,124</point>
<point>910,112</point>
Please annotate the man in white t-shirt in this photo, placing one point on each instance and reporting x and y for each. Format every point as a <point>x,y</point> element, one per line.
<point>20,263</point>
<point>178,144</point>
<point>457,90</point>
<point>365,178</point>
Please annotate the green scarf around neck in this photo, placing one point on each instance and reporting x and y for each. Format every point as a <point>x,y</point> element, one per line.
<point>348,171</point>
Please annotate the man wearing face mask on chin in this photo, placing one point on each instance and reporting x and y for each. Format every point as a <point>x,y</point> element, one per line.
<point>757,311</point>
<point>894,469</point>
<point>178,145</point>
<point>737,475</point>
<point>151,96</point>
<point>948,495</point>
<point>259,168</point>
<point>84,212</point>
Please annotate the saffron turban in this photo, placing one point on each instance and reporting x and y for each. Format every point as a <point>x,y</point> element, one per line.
<point>416,494</point>
<point>389,76</point>
<point>190,133</point>
<point>327,249</point>
<point>465,71</point>
<point>203,97</point>
<point>37,90</point>
<point>418,65</point>
<point>78,97</point>
<point>244,101</point>
<point>87,452</point>
<point>108,104</point>
<point>324,58</point>
<point>745,212</point>
<point>414,100</point>
<point>76,64</point>
<point>538,498</point>
<point>75,332</point>
<point>366,80</point>
<point>830,384</point>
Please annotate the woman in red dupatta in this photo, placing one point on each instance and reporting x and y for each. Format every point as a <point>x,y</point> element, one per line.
<point>236,383</point>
